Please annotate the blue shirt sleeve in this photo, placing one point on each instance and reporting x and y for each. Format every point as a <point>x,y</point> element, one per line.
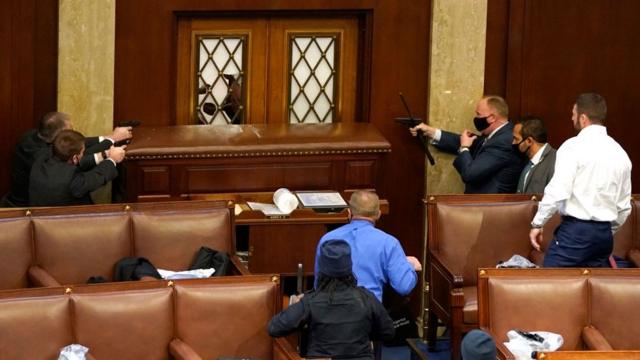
<point>402,276</point>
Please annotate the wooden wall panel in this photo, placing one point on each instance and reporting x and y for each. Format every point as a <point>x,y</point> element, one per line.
<point>558,49</point>
<point>145,78</point>
<point>28,71</point>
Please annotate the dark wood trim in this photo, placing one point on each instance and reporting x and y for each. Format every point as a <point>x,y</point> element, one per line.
<point>495,74</point>
<point>515,49</point>
<point>28,71</point>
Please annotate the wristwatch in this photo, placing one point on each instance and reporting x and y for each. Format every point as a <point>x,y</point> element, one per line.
<point>536,226</point>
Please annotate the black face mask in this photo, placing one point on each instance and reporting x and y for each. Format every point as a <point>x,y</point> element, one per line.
<point>481,123</point>
<point>516,148</point>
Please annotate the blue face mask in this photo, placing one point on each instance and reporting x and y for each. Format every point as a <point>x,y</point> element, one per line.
<point>481,123</point>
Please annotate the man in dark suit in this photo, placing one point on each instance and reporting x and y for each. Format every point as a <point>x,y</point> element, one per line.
<point>57,179</point>
<point>487,163</point>
<point>40,139</point>
<point>530,138</point>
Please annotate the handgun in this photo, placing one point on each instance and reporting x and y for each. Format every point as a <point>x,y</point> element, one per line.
<point>126,123</point>
<point>132,123</point>
<point>530,336</point>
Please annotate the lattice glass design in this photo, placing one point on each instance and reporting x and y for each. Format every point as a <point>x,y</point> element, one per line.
<point>220,79</point>
<point>312,80</point>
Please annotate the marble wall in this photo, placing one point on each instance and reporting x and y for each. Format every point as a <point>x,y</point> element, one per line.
<point>86,63</point>
<point>456,79</point>
<point>86,42</point>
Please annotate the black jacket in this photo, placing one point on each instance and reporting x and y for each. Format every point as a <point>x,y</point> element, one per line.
<point>29,148</point>
<point>341,325</point>
<point>55,183</point>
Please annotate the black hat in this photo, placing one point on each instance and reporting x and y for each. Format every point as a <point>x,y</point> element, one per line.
<point>478,345</point>
<point>335,259</point>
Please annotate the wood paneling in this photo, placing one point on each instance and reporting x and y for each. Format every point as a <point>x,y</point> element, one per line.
<point>145,78</point>
<point>28,71</point>
<point>556,50</point>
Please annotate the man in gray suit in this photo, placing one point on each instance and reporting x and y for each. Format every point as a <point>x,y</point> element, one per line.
<point>530,139</point>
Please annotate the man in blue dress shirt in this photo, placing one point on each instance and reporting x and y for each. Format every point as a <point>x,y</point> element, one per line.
<point>378,258</point>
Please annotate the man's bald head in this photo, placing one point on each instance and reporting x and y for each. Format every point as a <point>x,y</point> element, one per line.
<point>365,204</point>
<point>51,124</point>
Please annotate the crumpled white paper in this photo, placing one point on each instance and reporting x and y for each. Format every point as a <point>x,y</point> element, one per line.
<point>521,347</point>
<point>187,274</point>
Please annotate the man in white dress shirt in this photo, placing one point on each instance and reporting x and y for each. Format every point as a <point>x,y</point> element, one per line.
<point>591,188</point>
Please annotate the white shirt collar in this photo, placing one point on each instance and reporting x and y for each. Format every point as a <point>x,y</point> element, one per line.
<point>593,129</point>
<point>496,130</point>
<point>536,158</point>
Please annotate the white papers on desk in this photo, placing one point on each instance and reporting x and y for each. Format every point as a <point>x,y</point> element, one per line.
<point>284,202</point>
<point>267,209</point>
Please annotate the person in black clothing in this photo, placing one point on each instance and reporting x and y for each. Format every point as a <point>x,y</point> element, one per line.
<point>39,140</point>
<point>343,319</point>
<point>58,179</point>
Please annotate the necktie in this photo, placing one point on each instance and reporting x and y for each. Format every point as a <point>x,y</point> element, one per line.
<point>523,176</point>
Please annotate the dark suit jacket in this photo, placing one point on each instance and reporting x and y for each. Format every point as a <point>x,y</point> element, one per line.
<point>541,174</point>
<point>28,149</point>
<point>492,168</point>
<point>55,183</point>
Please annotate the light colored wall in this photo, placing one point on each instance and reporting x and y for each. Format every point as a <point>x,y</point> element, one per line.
<point>86,59</point>
<point>86,63</point>
<point>458,37</point>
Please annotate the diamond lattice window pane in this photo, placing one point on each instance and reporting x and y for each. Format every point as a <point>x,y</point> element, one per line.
<point>312,78</point>
<point>220,78</point>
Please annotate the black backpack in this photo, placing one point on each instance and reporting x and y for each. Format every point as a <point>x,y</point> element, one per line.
<point>207,258</point>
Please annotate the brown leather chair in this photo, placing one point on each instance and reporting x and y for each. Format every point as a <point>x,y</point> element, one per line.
<point>67,245</point>
<point>185,319</point>
<point>588,307</point>
<point>467,232</point>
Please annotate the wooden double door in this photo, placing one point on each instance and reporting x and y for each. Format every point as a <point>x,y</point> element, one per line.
<point>265,69</point>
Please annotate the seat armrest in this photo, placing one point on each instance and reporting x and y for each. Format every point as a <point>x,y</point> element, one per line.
<point>634,256</point>
<point>238,267</point>
<point>41,278</point>
<point>182,351</point>
<point>594,339</point>
<point>438,261</point>
<point>283,350</point>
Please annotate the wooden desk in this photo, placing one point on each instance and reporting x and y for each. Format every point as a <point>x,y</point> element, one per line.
<point>277,245</point>
<point>170,163</point>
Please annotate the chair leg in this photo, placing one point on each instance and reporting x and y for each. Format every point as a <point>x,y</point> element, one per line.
<point>456,341</point>
<point>432,330</point>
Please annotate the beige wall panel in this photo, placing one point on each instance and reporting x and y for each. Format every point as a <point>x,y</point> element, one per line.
<point>456,79</point>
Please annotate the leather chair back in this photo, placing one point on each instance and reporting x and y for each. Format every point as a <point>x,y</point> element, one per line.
<point>216,323</point>
<point>133,325</point>
<point>72,248</point>
<point>530,303</point>
<point>34,328</point>
<point>171,240</point>
<point>16,255</point>
<point>480,235</point>
<point>615,312</point>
